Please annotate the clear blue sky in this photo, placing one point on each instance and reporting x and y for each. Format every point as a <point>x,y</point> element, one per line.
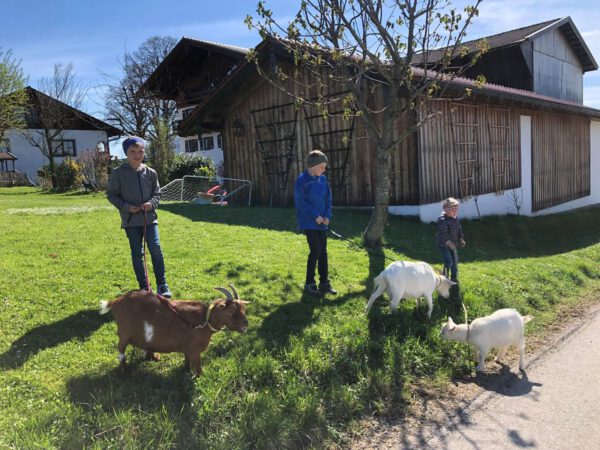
<point>93,35</point>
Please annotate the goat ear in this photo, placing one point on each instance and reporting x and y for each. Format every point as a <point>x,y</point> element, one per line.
<point>244,302</point>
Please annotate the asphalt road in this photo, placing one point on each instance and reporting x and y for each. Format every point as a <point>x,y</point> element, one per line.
<point>554,405</point>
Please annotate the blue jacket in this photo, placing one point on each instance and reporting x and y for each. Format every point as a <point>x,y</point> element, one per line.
<point>312,198</point>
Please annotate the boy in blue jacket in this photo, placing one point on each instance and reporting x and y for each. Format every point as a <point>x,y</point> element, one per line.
<point>312,198</point>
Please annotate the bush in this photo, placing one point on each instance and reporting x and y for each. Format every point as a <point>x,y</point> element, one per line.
<point>68,175</point>
<point>192,165</point>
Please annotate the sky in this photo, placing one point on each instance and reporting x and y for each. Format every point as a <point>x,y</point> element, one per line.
<point>94,35</point>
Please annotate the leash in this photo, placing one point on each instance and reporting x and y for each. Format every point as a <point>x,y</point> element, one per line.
<point>165,300</point>
<point>361,247</point>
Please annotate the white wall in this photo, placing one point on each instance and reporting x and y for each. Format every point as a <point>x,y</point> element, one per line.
<point>216,154</point>
<point>506,203</point>
<point>30,158</point>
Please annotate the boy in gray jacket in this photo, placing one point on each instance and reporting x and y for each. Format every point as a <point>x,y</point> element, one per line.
<point>133,189</point>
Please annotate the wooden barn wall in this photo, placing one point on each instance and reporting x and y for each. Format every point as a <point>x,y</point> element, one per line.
<point>486,135</point>
<point>243,159</point>
<point>560,158</point>
<point>557,71</point>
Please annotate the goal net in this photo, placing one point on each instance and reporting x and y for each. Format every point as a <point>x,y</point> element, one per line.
<point>208,190</point>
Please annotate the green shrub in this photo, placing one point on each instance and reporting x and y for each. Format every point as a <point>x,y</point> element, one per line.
<point>192,165</point>
<point>68,175</point>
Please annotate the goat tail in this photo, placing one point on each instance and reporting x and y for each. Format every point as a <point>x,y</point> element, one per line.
<point>527,319</point>
<point>105,306</point>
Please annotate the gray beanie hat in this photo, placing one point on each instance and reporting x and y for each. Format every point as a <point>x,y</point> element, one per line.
<point>315,158</point>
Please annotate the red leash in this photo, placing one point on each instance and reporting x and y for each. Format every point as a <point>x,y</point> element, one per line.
<point>149,288</point>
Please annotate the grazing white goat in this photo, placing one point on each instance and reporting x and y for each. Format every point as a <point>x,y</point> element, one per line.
<point>501,329</point>
<point>405,279</point>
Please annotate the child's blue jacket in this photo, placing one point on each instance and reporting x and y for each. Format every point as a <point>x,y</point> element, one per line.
<point>312,198</point>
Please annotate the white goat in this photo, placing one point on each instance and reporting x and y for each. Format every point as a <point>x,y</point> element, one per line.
<point>501,329</point>
<point>404,279</point>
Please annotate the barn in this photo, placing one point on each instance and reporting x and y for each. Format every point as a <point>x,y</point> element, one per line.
<point>522,143</point>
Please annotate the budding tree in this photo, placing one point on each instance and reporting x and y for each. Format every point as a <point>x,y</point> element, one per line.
<point>366,45</point>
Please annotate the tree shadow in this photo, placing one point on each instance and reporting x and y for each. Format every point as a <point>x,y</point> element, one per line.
<point>136,389</point>
<point>488,239</point>
<point>292,318</point>
<point>78,326</point>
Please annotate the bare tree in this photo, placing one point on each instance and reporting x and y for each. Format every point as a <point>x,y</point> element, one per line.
<point>369,45</point>
<point>53,109</point>
<point>12,96</point>
<point>130,106</point>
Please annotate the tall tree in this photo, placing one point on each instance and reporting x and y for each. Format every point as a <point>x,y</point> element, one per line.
<point>53,109</point>
<point>130,106</point>
<point>365,45</point>
<point>160,151</point>
<point>12,96</point>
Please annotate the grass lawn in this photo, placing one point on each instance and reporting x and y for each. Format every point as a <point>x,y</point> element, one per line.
<point>306,371</point>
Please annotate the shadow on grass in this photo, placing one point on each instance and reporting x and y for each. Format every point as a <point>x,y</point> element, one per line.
<point>488,239</point>
<point>78,326</point>
<point>292,318</point>
<point>133,388</point>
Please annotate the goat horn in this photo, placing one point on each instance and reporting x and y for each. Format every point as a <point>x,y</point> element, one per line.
<point>235,294</point>
<point>226,292</point>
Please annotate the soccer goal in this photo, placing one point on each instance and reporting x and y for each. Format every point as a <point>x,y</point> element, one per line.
<point>208,190</point>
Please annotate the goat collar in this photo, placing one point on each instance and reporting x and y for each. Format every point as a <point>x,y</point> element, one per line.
<point>468,332</point>
<point>207,323</point>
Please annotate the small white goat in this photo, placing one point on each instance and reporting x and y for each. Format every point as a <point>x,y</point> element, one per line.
<point>501,329</point>
<point>405,279</point>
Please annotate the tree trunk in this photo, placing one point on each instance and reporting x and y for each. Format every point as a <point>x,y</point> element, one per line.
<point>374,233</point>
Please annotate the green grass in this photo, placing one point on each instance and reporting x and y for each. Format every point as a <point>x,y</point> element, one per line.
<point>306,371</point>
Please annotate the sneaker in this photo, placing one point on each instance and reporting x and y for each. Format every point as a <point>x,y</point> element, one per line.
<point>311,289</point>
<point>164,291</point>
<point>326,288</point>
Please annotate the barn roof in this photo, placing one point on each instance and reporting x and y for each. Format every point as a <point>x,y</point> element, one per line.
<point>228,94</point>
<point>520,35</point>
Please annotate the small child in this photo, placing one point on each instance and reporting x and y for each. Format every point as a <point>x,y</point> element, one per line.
<point>312,198</point>
<point>133,188</point>
<point>449,235</point>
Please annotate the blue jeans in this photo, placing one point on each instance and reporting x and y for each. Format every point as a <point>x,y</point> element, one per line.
<point>136,235</point>
<point>450,263</point>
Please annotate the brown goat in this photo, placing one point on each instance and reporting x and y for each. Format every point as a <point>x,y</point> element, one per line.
<point>147,322</point>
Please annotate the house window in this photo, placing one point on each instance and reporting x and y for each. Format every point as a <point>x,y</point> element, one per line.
<point>186,113</point>
<point>191,145</point>
<point>64,147</point>
<point>219,141</point>
<point>208,143</point>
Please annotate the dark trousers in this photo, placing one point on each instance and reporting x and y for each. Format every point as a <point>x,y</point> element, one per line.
<point>450,263</point>
<point>136,236</point>
<point>317,243</point>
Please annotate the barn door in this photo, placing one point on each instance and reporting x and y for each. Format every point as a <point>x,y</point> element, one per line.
<point>331,132</point>
<point>465,136</point>
<point>275,128</point>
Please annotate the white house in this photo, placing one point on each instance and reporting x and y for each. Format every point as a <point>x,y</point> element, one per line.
<point>81,132</point>
<point>191,72</point>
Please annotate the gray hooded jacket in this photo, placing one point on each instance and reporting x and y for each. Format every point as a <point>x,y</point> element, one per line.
<point>128,187</point>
